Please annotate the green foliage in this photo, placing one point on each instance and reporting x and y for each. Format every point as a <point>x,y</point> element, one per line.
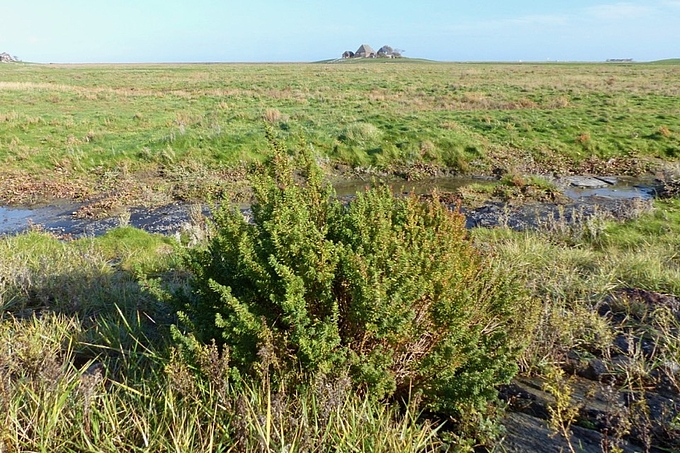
<point>387,289</point>
<point>584,271</point>
<point>174,128</point>
<point>563,413</point>
<point>39,271</point>
<point>143,399</point>
<point>135,249</point>
<point>98,374</point>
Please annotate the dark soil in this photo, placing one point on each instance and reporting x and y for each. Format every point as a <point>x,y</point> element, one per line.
<point>613,411</point>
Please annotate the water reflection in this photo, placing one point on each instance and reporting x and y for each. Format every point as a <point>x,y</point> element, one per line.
<point>351,187</point>
<point>11,218</point>
<point>59,218</point>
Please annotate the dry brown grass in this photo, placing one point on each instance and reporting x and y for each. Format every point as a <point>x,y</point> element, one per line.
<point>272,116</point>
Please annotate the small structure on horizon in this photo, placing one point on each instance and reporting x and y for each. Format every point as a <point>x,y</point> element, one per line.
<point>366,51</point>
<point>386,52</point>
<point>7,58</point>
<point>620,60</point>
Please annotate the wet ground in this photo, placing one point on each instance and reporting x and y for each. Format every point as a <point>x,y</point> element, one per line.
<point>526,422</point>
<point>615,196</point>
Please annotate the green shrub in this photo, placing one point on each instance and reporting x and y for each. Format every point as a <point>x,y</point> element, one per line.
<point>387,289</point>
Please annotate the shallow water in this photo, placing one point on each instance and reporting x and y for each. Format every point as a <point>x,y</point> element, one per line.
<point>13,218</point>
<point>623,188</point>
<point>59,218</point>
<point>351,187</point>
<point>18,219</point>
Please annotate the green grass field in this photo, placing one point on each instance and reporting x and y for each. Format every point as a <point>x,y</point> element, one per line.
<point>90,355</point>
<point>97,127</point>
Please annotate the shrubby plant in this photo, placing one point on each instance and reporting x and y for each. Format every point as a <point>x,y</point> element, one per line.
<point>387,290</point>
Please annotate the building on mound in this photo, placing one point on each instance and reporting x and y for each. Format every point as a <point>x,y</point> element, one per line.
<point>7,58</point>
<point>365,51</point>
<point>385,52</point>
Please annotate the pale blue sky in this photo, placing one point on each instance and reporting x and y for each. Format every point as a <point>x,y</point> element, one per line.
<point>91,31</point>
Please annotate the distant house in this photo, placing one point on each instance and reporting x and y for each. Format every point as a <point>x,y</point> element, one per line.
<point>385,52</point>
<point>6,58</point>
<point>365,51</point>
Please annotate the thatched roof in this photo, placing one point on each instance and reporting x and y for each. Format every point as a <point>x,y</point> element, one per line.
<point>385,50</point>
<point>364,50</point>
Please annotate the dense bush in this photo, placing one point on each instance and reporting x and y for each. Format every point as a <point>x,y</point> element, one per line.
<point>387,289</point>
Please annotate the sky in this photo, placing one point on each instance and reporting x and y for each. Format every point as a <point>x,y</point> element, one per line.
<point>136,31</point>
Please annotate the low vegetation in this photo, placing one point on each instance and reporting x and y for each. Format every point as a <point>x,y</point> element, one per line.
<point>387,291</point>
<point>379,324</point>
<point>134,133</point>
<point>309,328</point>
<point>284,350</point>
<point>610,299</point>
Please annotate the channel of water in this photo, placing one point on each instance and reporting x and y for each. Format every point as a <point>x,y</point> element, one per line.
<point>59,218</point>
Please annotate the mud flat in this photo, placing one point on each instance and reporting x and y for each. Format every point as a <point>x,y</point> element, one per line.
<point>616,197</point>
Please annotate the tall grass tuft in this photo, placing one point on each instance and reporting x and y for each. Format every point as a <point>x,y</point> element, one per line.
<point>50,402</point>
<point>361,134</point>
<point>587,265</point>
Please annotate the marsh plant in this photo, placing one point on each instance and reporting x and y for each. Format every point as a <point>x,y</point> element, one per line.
<point>87,362</point>
<point>140,399</point>
<point>387,290</point>
<point>611,294</point>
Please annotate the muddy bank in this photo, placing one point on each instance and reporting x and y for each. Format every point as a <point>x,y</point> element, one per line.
<point>612,410</point>
<point>617,198</point>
